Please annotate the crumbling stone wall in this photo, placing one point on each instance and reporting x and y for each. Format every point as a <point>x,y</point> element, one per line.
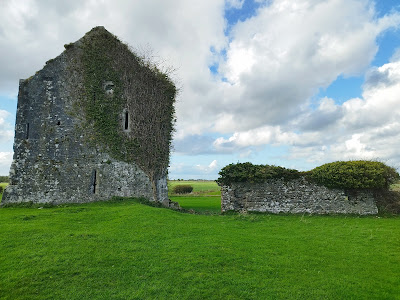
<point>296,196</point>
<point>59,154</point>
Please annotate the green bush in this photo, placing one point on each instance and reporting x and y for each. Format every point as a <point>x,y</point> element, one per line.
<point>182,189</point>
<point>341,174</point>
<point>1,190</point>
<point>247,172</point>
<point>355,175</point>
<point>4,179</point>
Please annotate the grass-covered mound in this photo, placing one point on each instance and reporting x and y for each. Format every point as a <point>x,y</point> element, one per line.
<point>127,250</point>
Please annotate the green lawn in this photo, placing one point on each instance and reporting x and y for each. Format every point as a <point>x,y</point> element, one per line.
<point>127,250</point>
<point>205,198</point>
<point>199,204</point>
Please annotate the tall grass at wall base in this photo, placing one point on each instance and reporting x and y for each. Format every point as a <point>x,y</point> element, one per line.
<point>388,202</point>
<point>126,250</point>
<point>3,185</point>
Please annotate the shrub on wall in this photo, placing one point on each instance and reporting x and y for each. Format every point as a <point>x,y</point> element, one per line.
<point>355,175</point>
<point>341,174</point>
<point>247,172</point>
<point>183,189</point>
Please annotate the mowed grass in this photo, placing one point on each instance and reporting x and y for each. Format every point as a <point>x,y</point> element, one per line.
<point>205,198</point>
<point>127,250</point>
<point>207,205</point>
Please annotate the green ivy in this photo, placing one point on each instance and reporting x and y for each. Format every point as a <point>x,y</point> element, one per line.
<point>139,87</point>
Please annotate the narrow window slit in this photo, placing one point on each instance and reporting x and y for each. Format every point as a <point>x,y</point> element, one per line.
<point>94,182</point>
<point>126,126</point>
<point>27,131</point>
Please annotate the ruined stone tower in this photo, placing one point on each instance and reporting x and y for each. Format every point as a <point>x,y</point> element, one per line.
<point>95,122</point>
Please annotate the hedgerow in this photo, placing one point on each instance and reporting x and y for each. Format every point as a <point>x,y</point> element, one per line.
<point>355,175</point>
<point>183,189</point>
<point>247,172</point>
<point>341,174</point>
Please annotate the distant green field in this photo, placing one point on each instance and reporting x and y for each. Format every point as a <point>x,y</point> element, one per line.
<point>205,198</point>
<point>205,188</point>
<point>126,250</point>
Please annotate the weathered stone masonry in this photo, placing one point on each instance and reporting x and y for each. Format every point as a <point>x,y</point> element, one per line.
<point>56,156</point>
<point>296,196</point>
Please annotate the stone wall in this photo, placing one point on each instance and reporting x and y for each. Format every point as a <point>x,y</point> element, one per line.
<point>56,155</point>
<point>296,196</point>
<point>53,163</point>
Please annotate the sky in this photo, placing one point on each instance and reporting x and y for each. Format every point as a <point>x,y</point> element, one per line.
<point>289,83</point>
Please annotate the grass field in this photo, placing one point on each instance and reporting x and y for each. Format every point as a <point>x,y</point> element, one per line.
<point>205,198</point>
<point>127,250</point>
<point>200,187</point>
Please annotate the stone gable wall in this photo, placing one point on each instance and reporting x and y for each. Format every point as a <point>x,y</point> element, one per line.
<point>296,196</point>
<point>53,163</point>
<point>56,158</point>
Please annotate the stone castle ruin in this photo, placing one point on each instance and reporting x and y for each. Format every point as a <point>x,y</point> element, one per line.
<point>95,122</point>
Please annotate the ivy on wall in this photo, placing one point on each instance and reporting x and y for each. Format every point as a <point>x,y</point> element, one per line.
<point>115,81</point>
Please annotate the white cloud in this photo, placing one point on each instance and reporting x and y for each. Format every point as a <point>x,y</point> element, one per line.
<point>275,60</point>
<point>280,58</point>
<point>5,162</point>
<point>199,171</point>
<point>208,169</point>
<point>237,4</point>
<point>360,128</point>
<point>6,133</point>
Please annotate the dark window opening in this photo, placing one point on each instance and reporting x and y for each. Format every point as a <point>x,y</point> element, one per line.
<point>58,123</point>
<point>27,131</point>
<point>126,126</point>
<point>94,182</point>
